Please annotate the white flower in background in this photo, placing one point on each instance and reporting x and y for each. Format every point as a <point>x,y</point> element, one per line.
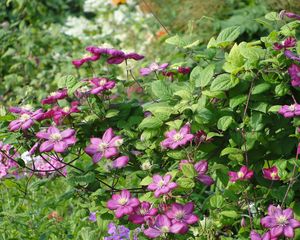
<point>76,27</point>
<point>146,165</point>
<point>94,5</point>
<point>119,16</point>
<point>26,157</point>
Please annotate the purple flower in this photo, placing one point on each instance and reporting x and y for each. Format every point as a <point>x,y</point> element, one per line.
<point>280,222</point>
<point>290,111</point>
<point>21,109</point>
<point>202,168</point>
<point>105,147</point>
<point>184,70</point>
<point>161,185</point>
<point>271,173</point>
<point>93,217</point>
<point>6,162</point>
<point>294,71</point>
<point>289,15</point>
<point>54,96</point>
<point>26,120</point>
<point>153,67</point>
<point>162,225</point>
<point>175,139</point>
<point>266,236</point>
<point>289,54</point>
<point>142,213</point>
<point>56,140</point>
<point>78,62</point>
<point>101,84</point>
<point>122,203</point>
<point>120,162</point>
<point>118,56</point>
<point>117,232</point>
<point>182,215</point>
<point>243,174</point>
<point>287,43</point>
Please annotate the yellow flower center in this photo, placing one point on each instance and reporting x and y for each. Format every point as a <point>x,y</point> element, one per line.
<point>281,220</point>
<point>25,117</point>
<point>240,174</point>
<point>102,82</point>
<point>273,175</point>
<point>55,136</point>
<point>292,107</point>
<point>179,215</point>
<point>66,109</point>
<point>103,146</point>
<point>165,229</point>
<point>122,201</point>
<point>160,183</point>
<point>53,94</point>
<point>177,137</point>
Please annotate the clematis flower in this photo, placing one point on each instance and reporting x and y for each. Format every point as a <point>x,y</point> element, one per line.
<point>79,62</point>
<point>117,232</point>
<point>290,111</point>
<point>271,173</point>
<point>26,120</point>
<point>6,163</point>
<point>46,165</point>
<point>54,96</point>
<point>184,70</point>
<point>266,236</point>
<point>105,147</point>
<point>182,215</point>
<point>120,162</point>
<point>93,217</point>
<point>122,203</point>
<point>101,84</point>
<point>175,139</point>
<point>161,185</point>
<point>280,222</point>
<point>153,67</point>
<point>289,15</point>
<point>287,43</point>
<point>202,168</point>
<point>118,56</point>
<point>56,140</point>
<point>162,225</point>
<point>142,213</point>
<point>294,71</point>
<point>289,54</point>
<point>243,174</point>
<point>22,109</point>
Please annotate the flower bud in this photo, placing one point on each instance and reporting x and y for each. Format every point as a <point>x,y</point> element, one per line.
<point>146,165</point>
<point>243,222</point>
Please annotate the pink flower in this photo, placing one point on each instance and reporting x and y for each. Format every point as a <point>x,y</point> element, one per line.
<point>294,71</point>
<point>184,70</point>
<point>21,109</point>
<point>118,56</point>
<point>175,139</point>
<point>271,173</point>
<point>201,137</point>
<point>59,114</point>
<point>122,203</point>
<point>153,67</point>
<point>161,185</point>
<point>26,120</point>
<point>78,62</point>
<point>290,111</point>
<point>6,162</point>
<point>162,225</point>
<point>202,168</point>
<point>142,213</point>
<point>243,174</point>
<point>105,147</point>
<point>47,165</point>
<point>183,215</point>
<point>289,54</point>
<point>289,15</point>
<point>266,236</point>
<point>101,84</point>
<point>54,96</point>
<point>280,222</point>
<point>56,140</point>
<point>120,162</point>
<point>287,43</point>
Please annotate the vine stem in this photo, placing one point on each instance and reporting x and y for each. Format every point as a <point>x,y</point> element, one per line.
<point>292,179</point>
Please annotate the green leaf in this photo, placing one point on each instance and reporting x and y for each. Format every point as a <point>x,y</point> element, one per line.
<point>150,122</point>
<point>225,38</point>
<point>176,154</point>
<point>216,201</point>
<point>230,150</point>
<point>237,100</point>
<point>223,82</point>
<point>260,88</point>
<point>185,182</point>
<point>272,16</point>
<point>65,81</point>
<point>161,90</point>
<point>146,181</point>
<point>225,122</point>
<point>188,170</point>
<point>229,213</point>
<point>274,108</point>
<point>112,113</point>
<point>234,60</point>
<point>203,77</point>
